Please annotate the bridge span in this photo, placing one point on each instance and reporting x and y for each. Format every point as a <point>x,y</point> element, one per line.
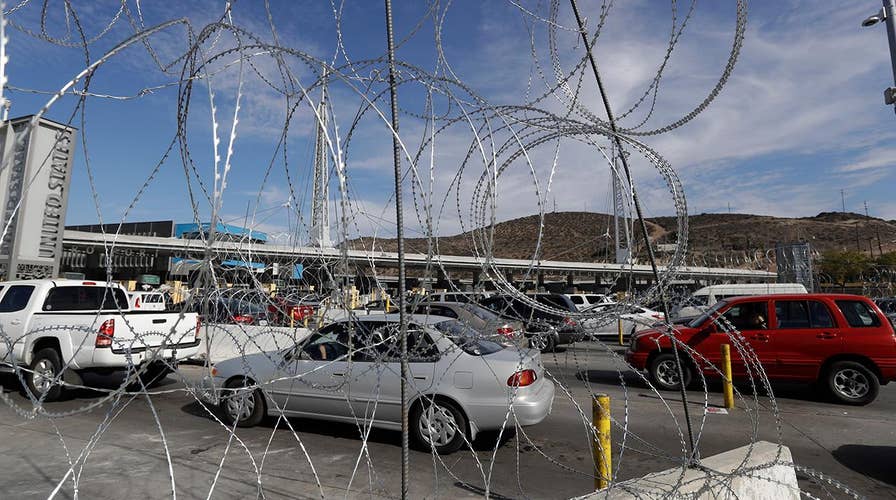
<point>162,248</point>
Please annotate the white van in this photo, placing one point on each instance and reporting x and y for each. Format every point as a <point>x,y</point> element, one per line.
<point>709,295</point>
<point>585,300</point>
<point>147,301</point>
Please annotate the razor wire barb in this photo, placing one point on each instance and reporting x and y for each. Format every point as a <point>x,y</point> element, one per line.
<point>462,157</point>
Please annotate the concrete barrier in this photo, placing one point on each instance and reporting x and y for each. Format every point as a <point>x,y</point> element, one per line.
<point>220,342</point>
<point>757,471</point>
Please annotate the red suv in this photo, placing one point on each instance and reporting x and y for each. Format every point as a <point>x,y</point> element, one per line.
<point>844,342</point>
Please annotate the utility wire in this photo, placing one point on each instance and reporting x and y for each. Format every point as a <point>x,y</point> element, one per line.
<point>643,225</point>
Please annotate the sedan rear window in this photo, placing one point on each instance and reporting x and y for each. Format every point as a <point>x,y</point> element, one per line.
<point>468,339</point>
<point>858,314</point>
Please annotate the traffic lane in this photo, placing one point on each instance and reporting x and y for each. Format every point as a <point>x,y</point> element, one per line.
<point>844,443</point>
<point>549,460</point>
<point>283,450</point>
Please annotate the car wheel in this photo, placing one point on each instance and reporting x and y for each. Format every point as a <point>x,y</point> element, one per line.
<point>438,425</point>
<point>852,383</point>
<point>663,372</point>
<point>242,405</point>
<point>43,379</point>
<point>542,341</point>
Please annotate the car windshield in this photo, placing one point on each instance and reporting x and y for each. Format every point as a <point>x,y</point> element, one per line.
<point>467,338</point>
<point>699,320</point>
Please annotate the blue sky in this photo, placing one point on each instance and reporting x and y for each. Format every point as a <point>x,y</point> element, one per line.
<point>801,117</point>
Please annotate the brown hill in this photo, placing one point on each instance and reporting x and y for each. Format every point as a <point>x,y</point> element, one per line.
<point>588,237</point>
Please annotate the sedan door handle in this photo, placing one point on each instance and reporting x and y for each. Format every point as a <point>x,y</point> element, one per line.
<point>826,335</point>
<point>16,322</point>
<point>761,337</point>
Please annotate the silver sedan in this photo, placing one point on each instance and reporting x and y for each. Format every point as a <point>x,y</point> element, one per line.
<point>459,383</point>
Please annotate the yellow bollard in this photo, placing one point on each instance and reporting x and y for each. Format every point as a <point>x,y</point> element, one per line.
<point>727,385</point>
<point>619,327</point>
<point>601,445</point>
<point>306,321</point>
<point>388,300</point>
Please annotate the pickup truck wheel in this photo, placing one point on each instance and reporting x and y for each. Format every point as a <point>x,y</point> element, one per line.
<point>241,405</point>
<point>43,379</point>
<point>852,383</point>
<point>663,372</point>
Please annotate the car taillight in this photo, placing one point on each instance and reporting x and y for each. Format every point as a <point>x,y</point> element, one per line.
<point>659,317</point>
<point>137,303</point>
<point>198,326</point>
<point>569,322</point>
<point>522,378</point>
<point>243,318</point>
<point>505,331</point>
<point>105,333</point>
<point>301,312</point>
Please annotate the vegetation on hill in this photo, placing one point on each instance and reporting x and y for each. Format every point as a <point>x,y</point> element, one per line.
<point>728,239</point>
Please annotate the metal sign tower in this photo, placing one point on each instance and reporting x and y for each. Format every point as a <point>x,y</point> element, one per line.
<point>621,241</point>
<point>320,200</point>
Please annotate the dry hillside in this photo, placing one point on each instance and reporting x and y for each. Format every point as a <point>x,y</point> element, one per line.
<point>588,237</point>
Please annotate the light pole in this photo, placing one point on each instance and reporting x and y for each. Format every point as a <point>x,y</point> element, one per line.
<point>887,13</point>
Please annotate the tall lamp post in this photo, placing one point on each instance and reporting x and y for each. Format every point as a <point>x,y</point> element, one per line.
<point>887,13</point>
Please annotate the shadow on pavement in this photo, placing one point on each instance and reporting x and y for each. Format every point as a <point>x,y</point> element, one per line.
<point>611,377</point>
<point>873,461</point>
<point>9,382</point>
<point>485,440</point>
<point>781,390</point>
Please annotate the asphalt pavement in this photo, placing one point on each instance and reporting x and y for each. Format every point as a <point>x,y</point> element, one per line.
<point>117,448</point>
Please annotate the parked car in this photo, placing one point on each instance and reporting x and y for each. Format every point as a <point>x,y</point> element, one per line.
<point>229,310</point>
<point>700,300</point>
<point>451,297</point>
<point>843,342</point>
<point>58,329</point>
<point>491,326</point>
<point>605,320</point>
<point>585,300</point>
<point>460,384</point>
<point>544,330</point>
<point>291,310</point>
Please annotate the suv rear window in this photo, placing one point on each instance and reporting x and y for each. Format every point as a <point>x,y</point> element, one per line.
<point>85,298</point>
<point>554,301</point>
<point>858,314</point>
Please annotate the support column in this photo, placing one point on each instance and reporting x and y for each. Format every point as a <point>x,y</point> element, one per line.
<point>477,278</point>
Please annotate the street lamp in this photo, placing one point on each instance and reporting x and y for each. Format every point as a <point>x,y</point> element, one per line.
<point>888,14</point>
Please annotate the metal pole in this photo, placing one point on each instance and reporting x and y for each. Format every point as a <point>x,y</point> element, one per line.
<point>601,445</point>
<point>399,223</point>
<point>637,203</point>
<point>619,329</point>
<point>728,380</point>
<point>890,11</point>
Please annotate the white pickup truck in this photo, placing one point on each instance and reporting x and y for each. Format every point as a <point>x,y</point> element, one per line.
<point>58,329</point>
